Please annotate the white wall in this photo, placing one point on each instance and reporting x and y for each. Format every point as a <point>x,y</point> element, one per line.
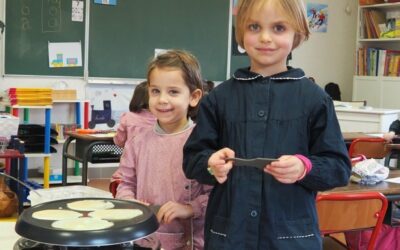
<point>330,56</point>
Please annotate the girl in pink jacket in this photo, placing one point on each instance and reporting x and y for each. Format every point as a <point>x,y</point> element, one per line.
<point>151,164</point>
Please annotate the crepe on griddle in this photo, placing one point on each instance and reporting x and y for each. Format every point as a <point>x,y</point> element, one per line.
<point>116,214</point>
<point>55,214</point>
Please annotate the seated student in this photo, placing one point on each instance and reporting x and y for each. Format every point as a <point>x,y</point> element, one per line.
<point>333,91</point>
<point>394,130</point>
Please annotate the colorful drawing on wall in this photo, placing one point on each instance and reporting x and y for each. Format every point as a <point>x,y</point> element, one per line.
<point>317,15</point>
<point>65,55</point>
<point>237,50</point>
<point>108,102</point>
<point>102,116</point>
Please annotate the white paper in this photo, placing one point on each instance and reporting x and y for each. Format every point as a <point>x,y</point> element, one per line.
<point>77,11</point>
<point>159,52</point>
<point>65,55</point>
<point>376,135</point>
<point>393,180</point>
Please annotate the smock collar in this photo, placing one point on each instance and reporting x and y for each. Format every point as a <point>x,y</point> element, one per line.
<point>244,74</point>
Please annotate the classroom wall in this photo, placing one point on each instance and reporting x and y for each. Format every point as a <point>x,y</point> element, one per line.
<point>326,56</point>
<point>329,57</point>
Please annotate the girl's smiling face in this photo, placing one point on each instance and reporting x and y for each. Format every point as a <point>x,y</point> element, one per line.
<point>170,98</point>
<point>268,40</point>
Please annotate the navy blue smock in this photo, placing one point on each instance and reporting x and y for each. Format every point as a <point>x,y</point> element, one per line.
<point>257,116</point>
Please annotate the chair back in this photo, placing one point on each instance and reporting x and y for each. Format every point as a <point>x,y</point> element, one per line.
<point>341,212</point>
<point>369,147</point>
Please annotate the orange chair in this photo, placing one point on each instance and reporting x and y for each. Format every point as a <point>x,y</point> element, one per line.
<point>369,147</point>
<point>344,212</point>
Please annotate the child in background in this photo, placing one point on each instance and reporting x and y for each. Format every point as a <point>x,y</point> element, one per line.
<point>152,161</point>
<point>267,110</point>
<point>139,117</point>
<point>394,130</point>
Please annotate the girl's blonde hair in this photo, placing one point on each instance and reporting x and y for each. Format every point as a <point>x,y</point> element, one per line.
<point>293,10</point>
<point>186,63</point>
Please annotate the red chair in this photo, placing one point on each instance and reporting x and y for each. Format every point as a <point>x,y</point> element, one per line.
<point>113,187</point>
<point>370,147</point>
<point>345,212</point>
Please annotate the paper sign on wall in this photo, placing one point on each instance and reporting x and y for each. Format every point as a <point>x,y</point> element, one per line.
<point>77,10</point>
<point>65,55</point>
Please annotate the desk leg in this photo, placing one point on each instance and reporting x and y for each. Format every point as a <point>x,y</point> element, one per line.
<point>84,172</point>
<point>14,173</point>
<point>64,165</point>
<point>22,192</point>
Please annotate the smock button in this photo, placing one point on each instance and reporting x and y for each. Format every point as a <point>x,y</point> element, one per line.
<point>261,113</point>
<point>253,213</point>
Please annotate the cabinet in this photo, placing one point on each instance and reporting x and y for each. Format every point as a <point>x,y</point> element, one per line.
<point>364,120</point>
<point>377,72</point>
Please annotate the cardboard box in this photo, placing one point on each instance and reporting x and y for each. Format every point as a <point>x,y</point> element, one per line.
<point>63,94</point>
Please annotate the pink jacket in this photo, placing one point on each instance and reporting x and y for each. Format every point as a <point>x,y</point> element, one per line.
<point>151,168</point>
<point>132,124</point>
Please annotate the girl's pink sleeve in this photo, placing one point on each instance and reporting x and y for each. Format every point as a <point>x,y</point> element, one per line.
<point>120,136</point>
<point>127,168</point>
<point>199,203</point>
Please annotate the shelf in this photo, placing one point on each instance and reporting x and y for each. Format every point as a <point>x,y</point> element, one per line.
<point>385,40</point>
<point>69,101</point>
<point>31,107</point>
<point>36,155</point>
<point>388,6</point>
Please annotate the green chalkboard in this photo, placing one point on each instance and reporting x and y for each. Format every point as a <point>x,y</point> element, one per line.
<point>122,38</point>
<point>30,26</point>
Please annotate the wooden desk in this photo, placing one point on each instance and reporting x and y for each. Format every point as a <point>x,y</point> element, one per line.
<point>390,190</point>
<point>351,136</point>
<point>93,148</point>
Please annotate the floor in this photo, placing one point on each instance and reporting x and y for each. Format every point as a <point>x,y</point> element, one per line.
<point>100,183</point>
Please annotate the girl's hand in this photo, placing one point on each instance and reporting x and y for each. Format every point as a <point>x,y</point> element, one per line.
<point>173,210</point>
<point>218,166</point>
<point>288,169</point>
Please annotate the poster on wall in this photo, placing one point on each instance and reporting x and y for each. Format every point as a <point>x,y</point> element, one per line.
<point>107,103</point>
<point>317,15</point>
<point>237,50</point>
<point>65,54</point>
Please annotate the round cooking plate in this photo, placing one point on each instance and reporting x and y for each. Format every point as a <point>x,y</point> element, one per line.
<point>121,231</point>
